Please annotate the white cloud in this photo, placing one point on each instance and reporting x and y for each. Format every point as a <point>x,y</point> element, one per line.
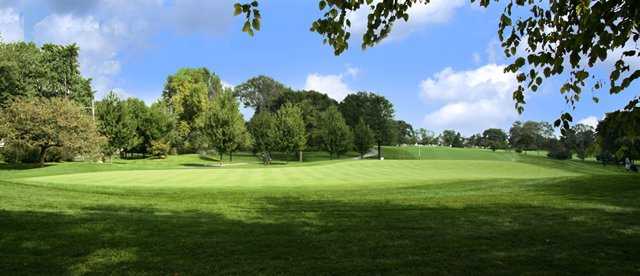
<point>471,101</point>
<point>590,121</point>
<point>109,30</point>
<point>352,71</point>
<point>226,84</point>
<point>11,25</point>
<point>420,15</point>
<point>332,85</point>
<point>99,42</point>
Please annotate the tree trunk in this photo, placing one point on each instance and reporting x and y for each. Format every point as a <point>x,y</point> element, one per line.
<point>43,155</point>
<point>300,155</point>
<point>379,151</point>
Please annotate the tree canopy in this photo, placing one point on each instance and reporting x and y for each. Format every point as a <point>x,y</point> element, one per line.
<point>116,124</point>
<point>49,71</point>
<point>336,136</point>
<point>375,110</point>
<point>494,138</point>
<point>224,125</point>
<point>44,123</point>
<point>187,93</point>
<point>291,132</point>
<point>261,93</point>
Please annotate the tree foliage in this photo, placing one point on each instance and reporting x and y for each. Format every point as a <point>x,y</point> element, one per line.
<point>619,134</point>
<point>291,131</point>
<point>451,138</point>
<point>375,110</point>
<point>49,71</point>
<point>44,124</point>
<point>581,139</point>
<point>224,125</point>
<point>115,123</point>
<point>261,93</point>
<point>187,93</point>
<point>263,129</point>
<point>312,104</point>
<point>530,135</point>
<point>363,138</point>
<point>405,133</point>
<point>494,138</point>
<point>336,136</point>
<point>426,137</point>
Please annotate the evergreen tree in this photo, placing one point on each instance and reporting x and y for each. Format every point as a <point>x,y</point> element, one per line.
<point>115,124</point>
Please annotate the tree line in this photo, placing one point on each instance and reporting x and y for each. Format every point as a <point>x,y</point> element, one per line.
<point>48,114</point>
<point>195,113</point>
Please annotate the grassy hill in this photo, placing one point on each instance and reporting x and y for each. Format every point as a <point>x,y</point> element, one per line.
<point>456,211</point>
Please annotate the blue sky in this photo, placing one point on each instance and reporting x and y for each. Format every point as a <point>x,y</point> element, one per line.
<point>441,70</point>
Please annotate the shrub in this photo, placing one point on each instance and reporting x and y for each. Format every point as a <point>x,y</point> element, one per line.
<point>159,149</point>
<point>559,150</point>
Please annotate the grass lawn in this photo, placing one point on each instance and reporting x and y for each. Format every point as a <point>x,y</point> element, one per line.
<point>456,211</point>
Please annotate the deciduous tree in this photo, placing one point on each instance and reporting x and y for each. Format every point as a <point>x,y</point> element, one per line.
<point>335,134</point>
<point>263,128</point>
<point>224,125</point>
<point>49,123</point>
<point>363,138</point>
<point>494,138</point>
<point>291,131</point>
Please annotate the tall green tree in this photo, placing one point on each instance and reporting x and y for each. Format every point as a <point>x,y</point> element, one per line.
<point>619,134</point>
<point>375,110</point>
<point>570,39</point>
<point>115,123</point>
<point>312,104</point>
<point>531,135</point>
<point>49,71</point>
<point>49,123</point>
<point>406,134</point>
<point>138,112</point>
<point>263,129</point>
<point>451,138</point>
<point>159,126</point>
<point>261,93</point>
<point>494,138</point>
<point>582,140</point>
<point>187,93</point>
<point>224,125</point>
<point>336,136</point>
<point>363,138</point>
<point>426,137</point>
<point>291,130</point>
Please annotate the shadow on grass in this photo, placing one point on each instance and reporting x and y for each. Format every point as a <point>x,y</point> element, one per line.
<point>6,166</point>
<point>295,236</point>
<point>621,190</point>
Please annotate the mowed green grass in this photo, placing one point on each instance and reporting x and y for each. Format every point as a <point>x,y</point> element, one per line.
<point>466,212</point>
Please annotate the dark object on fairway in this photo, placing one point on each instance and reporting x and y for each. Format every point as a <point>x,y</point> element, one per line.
<point>633,168</point>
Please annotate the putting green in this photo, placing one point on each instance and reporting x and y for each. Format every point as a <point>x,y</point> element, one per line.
<point>344,174</point>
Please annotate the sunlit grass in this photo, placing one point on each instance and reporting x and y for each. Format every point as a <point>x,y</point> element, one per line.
<point>466,213</point>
